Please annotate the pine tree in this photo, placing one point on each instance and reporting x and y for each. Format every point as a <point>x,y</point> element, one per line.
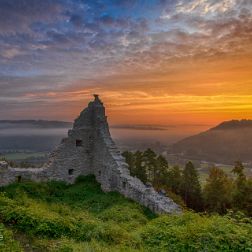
<point>174,179</point>
<point>130,160</point>
<point>150,163</point>
<point>140,169</point>
<point>218,191</point>
<point>190,187</point>
<point>242,197</point>
<point>161,171</point>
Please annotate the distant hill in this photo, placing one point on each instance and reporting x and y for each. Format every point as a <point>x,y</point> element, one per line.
<point>225,143</point>
<point>234,124</point>
<point>33,124</point>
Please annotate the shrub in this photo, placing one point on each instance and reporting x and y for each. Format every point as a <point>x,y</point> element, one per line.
<point>7,242</point>
<point>124,215</point>
<point>193,232</point>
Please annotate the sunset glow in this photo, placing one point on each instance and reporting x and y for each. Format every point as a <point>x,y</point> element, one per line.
<point>152,62</point>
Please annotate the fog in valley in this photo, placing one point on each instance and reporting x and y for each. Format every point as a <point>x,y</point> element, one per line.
<point>45,135</point>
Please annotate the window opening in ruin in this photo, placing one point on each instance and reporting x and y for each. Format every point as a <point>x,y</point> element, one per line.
<point>124,184</point>
<point>18,179</point>
<point>99,172</point>
<point>70,171</point>
<point>78,142</point>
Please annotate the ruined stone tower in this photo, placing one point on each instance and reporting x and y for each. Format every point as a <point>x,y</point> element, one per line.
<point>89,149</point>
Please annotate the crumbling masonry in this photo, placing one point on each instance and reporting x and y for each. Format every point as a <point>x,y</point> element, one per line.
<point>89,149</point>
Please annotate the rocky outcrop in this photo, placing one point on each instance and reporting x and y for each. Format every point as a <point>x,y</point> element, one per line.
<point>89,149</point>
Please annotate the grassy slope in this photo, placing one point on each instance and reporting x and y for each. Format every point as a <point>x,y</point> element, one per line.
<point>58,217</point>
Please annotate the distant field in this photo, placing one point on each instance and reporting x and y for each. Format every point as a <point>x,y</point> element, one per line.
<point>24,155</point>
<point>204,171</point>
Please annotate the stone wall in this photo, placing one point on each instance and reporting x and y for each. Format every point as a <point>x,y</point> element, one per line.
<point>89,149</point>
<point>10,175</point>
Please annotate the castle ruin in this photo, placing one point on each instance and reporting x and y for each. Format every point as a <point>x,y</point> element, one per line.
<point>89,149</point>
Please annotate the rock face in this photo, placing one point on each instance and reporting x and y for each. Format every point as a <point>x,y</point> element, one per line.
<point>89,149</point>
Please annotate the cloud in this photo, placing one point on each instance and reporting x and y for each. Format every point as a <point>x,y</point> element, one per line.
<point>16,16</point>
<point>11,53</point>
<point>53,53</point>
<point>76,20</point>
<point>203,7</point>
<point>19,86</point>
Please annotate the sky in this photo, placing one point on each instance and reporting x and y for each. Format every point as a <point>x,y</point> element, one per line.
<point>153,62</point>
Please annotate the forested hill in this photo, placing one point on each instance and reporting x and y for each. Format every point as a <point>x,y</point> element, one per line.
<point>225,143</point>
<point>234,124</point>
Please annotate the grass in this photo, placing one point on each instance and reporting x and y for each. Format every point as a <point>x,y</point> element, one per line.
<point>55,216</point>
<point>7,242</point>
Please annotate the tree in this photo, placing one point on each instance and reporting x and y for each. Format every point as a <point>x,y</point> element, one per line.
<point>242,196</point>
<point>139,168</point>
<point>174,179</point>
<point>218,191</point>
<point>161,171</point>
<point>150,163</point>
<point>130,160</point>
<point>239,169</point>
<point>247,205</point>
<point>190,187</point>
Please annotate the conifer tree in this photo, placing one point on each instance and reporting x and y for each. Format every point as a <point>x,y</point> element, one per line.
<point>130,160</point>
<point>161,171</point>
<point>174,179</point>
<point>218,191</point>
<point>242,197</point>
<point>140,168</point>
<point>150,163</point>
<point>190,187</point>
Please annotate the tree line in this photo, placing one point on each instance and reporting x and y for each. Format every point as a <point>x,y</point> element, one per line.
<point>219,194</point>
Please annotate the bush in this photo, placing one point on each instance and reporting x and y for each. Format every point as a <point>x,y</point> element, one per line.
<point>34,219</point>
<point>125,216</point>
<point>193,232</point>
<point>7,242</point>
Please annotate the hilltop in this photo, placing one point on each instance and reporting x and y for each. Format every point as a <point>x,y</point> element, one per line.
<point>225,143</point>
<point>234,124</point>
